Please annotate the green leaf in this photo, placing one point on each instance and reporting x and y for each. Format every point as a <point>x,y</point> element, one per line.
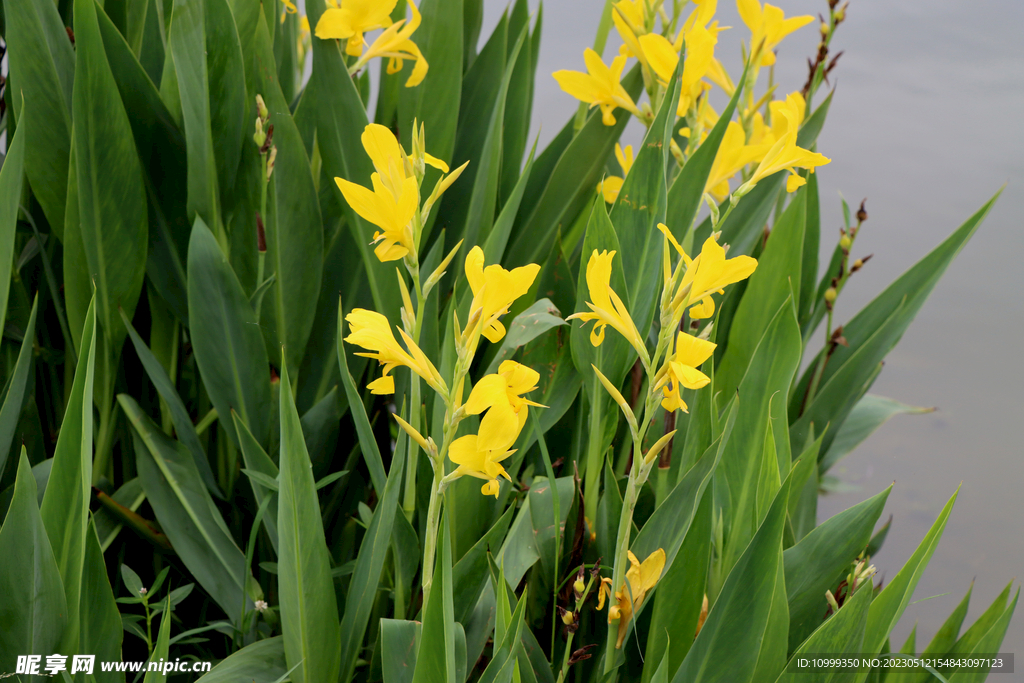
<point>841,634</point>
<point>187,513</point>
<point>14,392</point>
<point>944,640</point>
<point>11,175</point>
<point>367,441</point>
<point>399,640</point>
<point>435,658</point>
<point>362,590</point>
<point>640,206</point>
<point>294,230</point>
<point>774,362</point>
<point>112,211</point>
<point>261,662</point>
<point>680,595</point>
<point>729,644</point>
<point>42,73</point>
<point>519,106</point>
<point>469,575</point>
<point>341,118</point>
<point>183,426</point>
<point>559,194</point>
<point>871,334</point>
<point>226,337</point>
<point>540,317</point>
<point>815,564</point>
<point>776,278</point>
<point>161,148</point>
<point>101,630</point>
<point>812,242</point>
<point>435,102</point>
<point>130,496</point>
<point>65,505</point>
<point>309,614</point>
<point>257,460</point>
<point>542,516</point>
<point>161,646</point>
<point>34,610</point>
<point>503,662</point>
<point>888,606</point>
<point>988,643</point>
<point>870,413</point>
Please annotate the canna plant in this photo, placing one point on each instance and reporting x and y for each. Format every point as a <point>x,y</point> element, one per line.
<point>208,234</point>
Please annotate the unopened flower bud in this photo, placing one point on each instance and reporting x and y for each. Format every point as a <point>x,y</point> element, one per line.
<point>270,161</point>
<point>143,590</point>
<point>260,136</point>
<point>845,243</point>
<point>261,108</point>
<point>825,29</point>
<point>567,617</point>
<point>859,263</point>
<point>830,295</point>
<point>862,215</point>
<point>578,587</point>
<point>831,600</point>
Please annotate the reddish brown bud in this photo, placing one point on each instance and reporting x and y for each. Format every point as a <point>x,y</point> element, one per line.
<point>261,235</point>
<point>581,654</point>
<point>862,215</point>
<point>270,137</point>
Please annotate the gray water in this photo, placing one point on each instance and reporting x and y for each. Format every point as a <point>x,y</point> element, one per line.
<point>926,124</point>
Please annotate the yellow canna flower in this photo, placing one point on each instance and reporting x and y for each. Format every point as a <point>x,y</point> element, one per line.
<point>289,8</point>
<point>720,77</point>
<point>663,57</point>
<point>733,155</point>
<point>630,19</point>
<point>501,396</point>
<point>610,186</point>
<point>784,155</point>
<point>390,160</point>
<point>352,19</point>
<point>606,307</point>
<point>768,24</point>
<point>372,331</point>
<point>395,44</point>
<point>600,87</point>
<point>392,215</point>
<point>494,290</point>
<point>479,456</point>
<point>708,273</point>
<point>691,352</point>
<point>642,578</point>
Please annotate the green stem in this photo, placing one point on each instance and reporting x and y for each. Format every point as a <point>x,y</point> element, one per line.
<point>595,451</point>
<point>207,420</point>
<point>430,538</point>
<point>409,500</point>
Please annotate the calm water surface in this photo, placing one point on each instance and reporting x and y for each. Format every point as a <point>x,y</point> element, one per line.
<point>926,125</point>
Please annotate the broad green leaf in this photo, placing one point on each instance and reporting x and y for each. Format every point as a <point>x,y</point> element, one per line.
<point>871,334</point>
<point>367,441</point>
<point>771,370</point>
<point>34,610</point>
<point>776,278</point>
<point>435,658</point>
<point>341,118</point>
<point>161,148</point>
<point>11,175</point>
<point>888,606</point>
<point>503,662</point>
<point>842,634</point>
<point>257,460</point>
<point>540,317</point>
<point>989,641</point>
<point>436,101</point>
<point>870,413</point>
<point>542,516</point>
<point>101,630</point>
<point>640,206</point>
<point>261,662</point>
<point>294,231</point>
<point>161,646</point>
<point>188,515</point>
<point>111,192</point>
<point>399,640</point>
<point>772,658</point>
<point>519,551</point>
<point>226,337</point>
<point>183,426</point>
<point>680,595</point>
<point>569,186</point>
<point>803,501</point>
<point>729,644</point>
<point>815,564</point>
<point>944,640</point>
<point>210,80</point>
<point>519,106</point>
<point>366,578</point>
<point>42,71</point>
<point>469,575</point>
<point>65,506</point>
<point>309,614</point>
<point>14,394</point>
<point>812,242</point>
<point>968,642</point>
